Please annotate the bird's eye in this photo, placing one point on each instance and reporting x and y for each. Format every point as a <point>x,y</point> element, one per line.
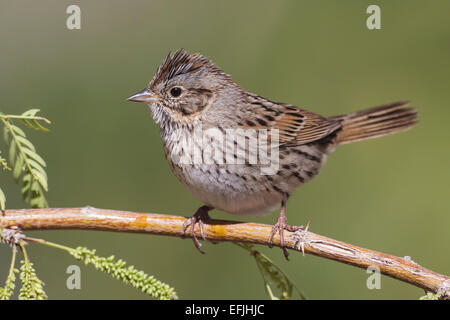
<point>175,92</point>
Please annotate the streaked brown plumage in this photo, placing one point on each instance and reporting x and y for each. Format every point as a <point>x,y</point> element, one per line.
<point>188,91</point>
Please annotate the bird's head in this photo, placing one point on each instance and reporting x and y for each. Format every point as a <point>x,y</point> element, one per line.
<point>183,86</point>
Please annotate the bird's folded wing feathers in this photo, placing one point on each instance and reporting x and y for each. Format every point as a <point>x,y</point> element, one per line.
<point>296,126</point>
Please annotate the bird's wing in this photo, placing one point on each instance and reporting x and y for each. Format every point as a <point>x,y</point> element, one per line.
<point>296,126</point>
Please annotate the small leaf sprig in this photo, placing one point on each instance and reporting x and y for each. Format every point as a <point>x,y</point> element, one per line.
<point>119,270</point>
<point>26,163</point>
<point>7,291</point>
<point>128,274</point>
<point>431,296</point>
<point>32,287</point>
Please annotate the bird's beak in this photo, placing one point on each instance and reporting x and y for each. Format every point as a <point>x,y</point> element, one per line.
<point>144,96</point>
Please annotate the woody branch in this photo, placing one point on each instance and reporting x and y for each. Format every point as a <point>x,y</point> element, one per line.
<point>89,218</point>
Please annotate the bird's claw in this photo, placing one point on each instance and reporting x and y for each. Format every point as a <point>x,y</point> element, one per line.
<point>198,218</point>
<point>279,227</point>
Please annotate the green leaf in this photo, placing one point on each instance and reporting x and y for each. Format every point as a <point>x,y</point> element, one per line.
<point>41,178</point>
<point>12,152</point>
<point>275,280</point>
<point>18,167</point>
<point>30,113</point>
<point>26,187</point>
<point>26,143</point>
<point>38,202</point>
<point>2,200</point>
<point>17,130</point>
<point>6,134</point>
<point>35,156</point>
<point>39,126</point>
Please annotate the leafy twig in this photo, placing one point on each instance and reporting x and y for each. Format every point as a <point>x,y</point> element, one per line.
<point>32,286</point>
<point>30,119</point>
<point>7,291</point>
<point>118,269</point>
<point>24,158</point>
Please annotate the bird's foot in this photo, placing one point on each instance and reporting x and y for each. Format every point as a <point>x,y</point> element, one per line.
<point>199,217</point>
<point>280,226</point>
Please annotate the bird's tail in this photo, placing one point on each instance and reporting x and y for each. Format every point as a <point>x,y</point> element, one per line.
<point>375,122</point>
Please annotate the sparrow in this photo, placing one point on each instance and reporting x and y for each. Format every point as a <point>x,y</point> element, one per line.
<point>198,107</point>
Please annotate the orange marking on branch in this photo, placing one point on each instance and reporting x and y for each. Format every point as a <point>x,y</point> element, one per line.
<point>141,222</point>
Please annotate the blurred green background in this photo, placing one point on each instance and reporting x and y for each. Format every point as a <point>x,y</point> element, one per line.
<point>389,194</point>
